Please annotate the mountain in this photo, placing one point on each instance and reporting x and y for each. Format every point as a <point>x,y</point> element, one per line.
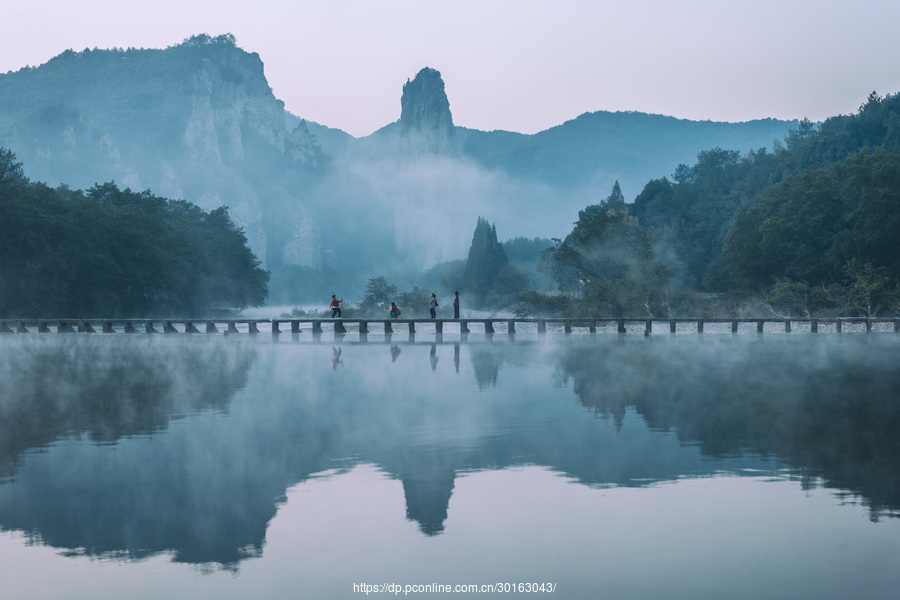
<point>322,209</point>
<point>196,121</point>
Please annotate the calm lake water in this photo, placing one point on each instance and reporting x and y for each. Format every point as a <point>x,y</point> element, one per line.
<point>605,466</point>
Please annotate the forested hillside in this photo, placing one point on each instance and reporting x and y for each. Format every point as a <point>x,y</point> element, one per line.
<point>115,253</point>
<point>811,228</point>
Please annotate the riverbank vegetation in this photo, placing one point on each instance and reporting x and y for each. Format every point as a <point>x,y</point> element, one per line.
<point>115,253</point>
<point>811,229</point>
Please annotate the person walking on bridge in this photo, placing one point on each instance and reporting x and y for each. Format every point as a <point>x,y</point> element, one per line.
<point>335,306</point>
<point>456,305</point>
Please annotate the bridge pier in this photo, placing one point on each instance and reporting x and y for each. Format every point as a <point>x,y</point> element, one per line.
<point>489,327</point>
<point>387,327</point>
<point>439,327</point>
<point>107,327</point>
<point>129,327</point>
<point>759,326</point>
<point>511,326</point>
<point>317,328</point>
<point>567,326</point>
<point>211,327</point>
<point>542,326</point>
<point>363,327</point>
<point>648,327</point>
<point>275,328</point>
<point>42,327</point>
<point>700,326</point>
<point>671,325</point>
<point>232,328</point>
<point>787,325</point>
<point>734,327</point>
<point>814,326</point>
<point>621,326</point>
<point>168,327</point>
<point>464,327</point>
<point>412,327</point>
<point>295,326</point>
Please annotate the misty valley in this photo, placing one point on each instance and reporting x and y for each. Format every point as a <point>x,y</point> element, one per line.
<point>168,191</point>
<point>249,464</point>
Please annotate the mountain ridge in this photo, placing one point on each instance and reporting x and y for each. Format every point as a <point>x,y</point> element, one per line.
<point>319,206</point>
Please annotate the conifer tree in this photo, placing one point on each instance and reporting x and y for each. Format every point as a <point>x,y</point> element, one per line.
<point>486,259</point>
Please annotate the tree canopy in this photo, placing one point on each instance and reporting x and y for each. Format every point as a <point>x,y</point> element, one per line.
<point>113,253</point>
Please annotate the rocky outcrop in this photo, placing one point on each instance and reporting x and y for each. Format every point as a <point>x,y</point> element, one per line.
<point>197,121</point>
<point>426,125</point>
<point>428,221</point>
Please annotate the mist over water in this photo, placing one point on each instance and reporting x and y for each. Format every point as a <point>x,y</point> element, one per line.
<point>238,465</point>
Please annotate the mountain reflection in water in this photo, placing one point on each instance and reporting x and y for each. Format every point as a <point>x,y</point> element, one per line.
<point>127,447</point>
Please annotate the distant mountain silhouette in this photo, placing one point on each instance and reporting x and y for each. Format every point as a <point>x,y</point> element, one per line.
<point>319,207</point>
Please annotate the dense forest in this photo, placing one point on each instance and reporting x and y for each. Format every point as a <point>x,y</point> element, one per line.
<point>115,253</point>
<point>811,228</point>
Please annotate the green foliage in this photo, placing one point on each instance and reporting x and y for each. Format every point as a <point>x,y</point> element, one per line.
<point>811,226</point>
<point>486,258</point>
<point>534,303</point>
<point>792,298</point>
<point>378,297</point>
<point>868,289</point>
<point>111,252</point>
<point>414,303</point>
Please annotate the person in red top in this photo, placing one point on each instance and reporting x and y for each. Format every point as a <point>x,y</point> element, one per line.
<point>335,306</point>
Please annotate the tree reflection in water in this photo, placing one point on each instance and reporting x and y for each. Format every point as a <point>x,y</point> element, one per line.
<point>194,441</point>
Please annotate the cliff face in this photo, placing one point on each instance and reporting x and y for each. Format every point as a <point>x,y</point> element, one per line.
<point>429,225</point>
<point>426,125</point>
<point>196,121</point>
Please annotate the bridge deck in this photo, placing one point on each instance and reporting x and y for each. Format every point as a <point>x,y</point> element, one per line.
<point>462,326</point>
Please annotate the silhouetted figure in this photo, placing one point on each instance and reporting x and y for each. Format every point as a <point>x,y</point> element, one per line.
<point>336,357</point>
<point>335,306</point>
<point>456,305</point>
<point>395,312</point>
<point>432,305</point>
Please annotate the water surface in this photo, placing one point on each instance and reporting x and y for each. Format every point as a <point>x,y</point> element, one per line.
<point>621,466</point>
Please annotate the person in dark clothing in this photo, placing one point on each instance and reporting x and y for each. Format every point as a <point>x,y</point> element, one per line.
<point>432,305</point>
<point>456,305</point>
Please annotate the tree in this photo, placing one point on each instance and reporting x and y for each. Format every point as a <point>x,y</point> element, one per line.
<point>10,170</point>
<point>486,259</point>
<point>868,288</point>
<point>378,297</point>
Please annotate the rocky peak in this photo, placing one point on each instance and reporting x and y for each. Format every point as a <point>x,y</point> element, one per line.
<point>426,125</point>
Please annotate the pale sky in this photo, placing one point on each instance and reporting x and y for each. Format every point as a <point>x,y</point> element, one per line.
<point>519,65</point>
